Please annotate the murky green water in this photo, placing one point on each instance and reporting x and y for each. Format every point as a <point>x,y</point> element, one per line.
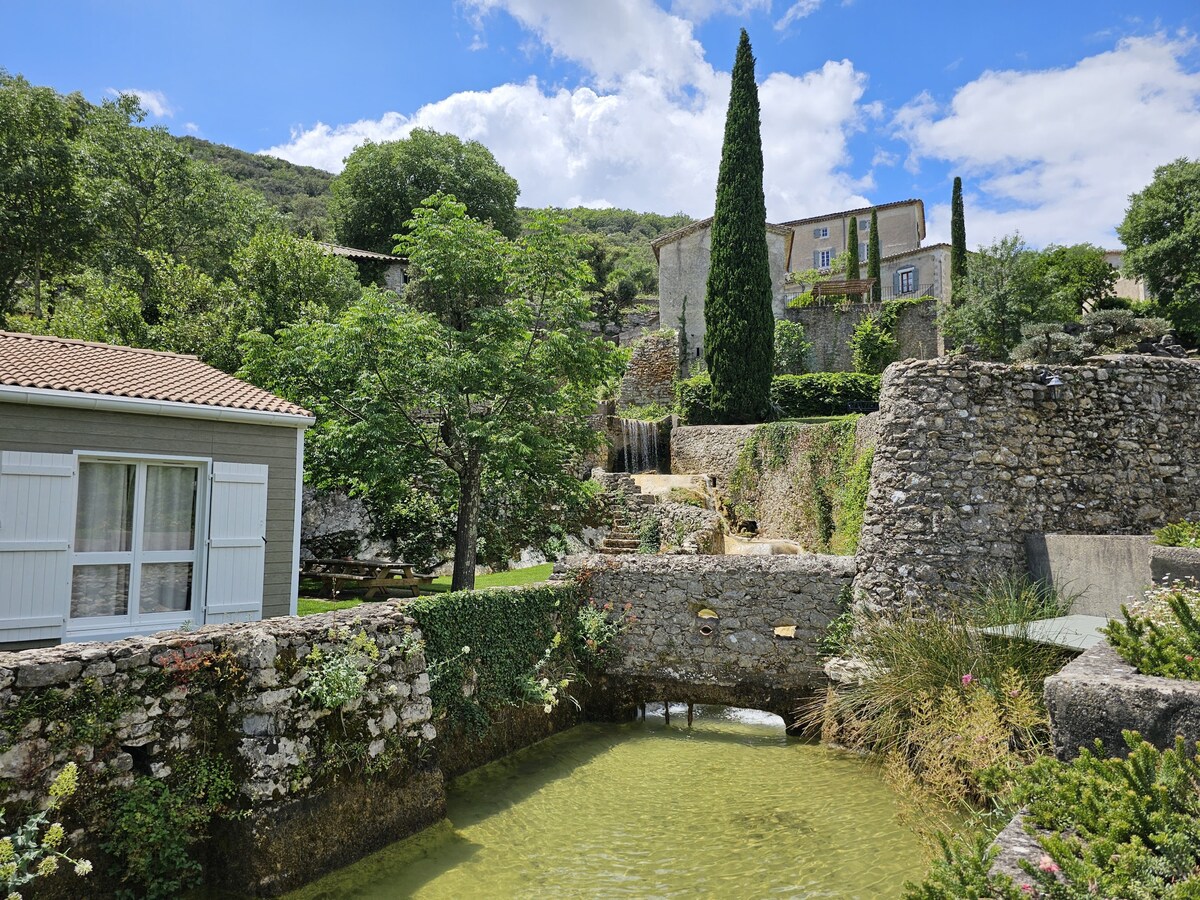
<point>730,808</point>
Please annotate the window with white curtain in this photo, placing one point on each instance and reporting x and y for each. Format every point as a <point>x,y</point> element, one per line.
<point>135,539</point>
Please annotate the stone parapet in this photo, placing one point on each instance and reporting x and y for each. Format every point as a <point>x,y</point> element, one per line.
<point>972,457</point>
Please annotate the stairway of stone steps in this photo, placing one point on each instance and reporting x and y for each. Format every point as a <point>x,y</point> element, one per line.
<point>624,537</point>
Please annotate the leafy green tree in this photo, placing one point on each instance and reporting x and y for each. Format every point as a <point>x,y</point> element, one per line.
<point>478,382</point>
<point>872,346</point>
<point>1004,289</point>
<point>873,257</point>
<point>382,185</point>
<point>1074,277</point>
<point>1161,232</point>
<point>958,233</point>
<point>43,220</point>
<point>739,343</point>
<point>791,348</point>
<point>610,291</point>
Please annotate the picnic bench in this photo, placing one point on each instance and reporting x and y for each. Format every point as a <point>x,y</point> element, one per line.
<point>376,577</point>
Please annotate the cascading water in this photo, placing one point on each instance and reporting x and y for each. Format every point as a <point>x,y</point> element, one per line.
<point>641,445</point>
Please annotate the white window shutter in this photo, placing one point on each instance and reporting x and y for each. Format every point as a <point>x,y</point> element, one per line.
<point>37,525</point>
<point>237,544</point>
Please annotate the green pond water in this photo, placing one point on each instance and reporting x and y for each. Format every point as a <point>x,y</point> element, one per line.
<point>731,807</point>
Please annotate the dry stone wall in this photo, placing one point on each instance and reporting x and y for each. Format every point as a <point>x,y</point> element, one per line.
<point>829,329</point>
<point>973,457</point>
<point>740,660</point>
<point>650,375</point>
<point>708,450</point>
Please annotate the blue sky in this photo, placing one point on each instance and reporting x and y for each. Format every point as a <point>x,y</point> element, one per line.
<point>1052,112</point>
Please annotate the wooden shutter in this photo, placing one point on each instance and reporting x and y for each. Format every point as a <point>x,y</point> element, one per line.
<point>916,276</point>
<point>237,543</point>
<point>37,525</point>
<point>816,232</point>
<point>896,284</point>
<point>816,259</point>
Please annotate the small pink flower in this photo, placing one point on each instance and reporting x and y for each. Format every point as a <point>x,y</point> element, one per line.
<point>968,678</point>
<point>1188,657</point>
<point>1046,864</point>
<point>1027,888</point>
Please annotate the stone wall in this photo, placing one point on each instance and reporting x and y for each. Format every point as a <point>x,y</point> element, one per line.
<point>236,695</point>
<point>1098,571</point>
<point>334,524</point>
<point>743,660</point>
<point>708,450</point>
<point>972,457</point>
<point>650,375</point>
<point>829,329</point>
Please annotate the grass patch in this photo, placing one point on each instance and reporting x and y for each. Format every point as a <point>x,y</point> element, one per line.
<point>307,605</point>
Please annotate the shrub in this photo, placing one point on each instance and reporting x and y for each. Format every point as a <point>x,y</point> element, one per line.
<point>794,396</point>
<point>1178,534</point>
<point>872,346</point>
<point>928,678</point>
<point>1110,827</point>
<point>1161,633</point>
<point>791,348</point>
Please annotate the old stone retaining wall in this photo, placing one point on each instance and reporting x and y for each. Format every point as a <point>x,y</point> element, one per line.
<point>972,457</point>
<point>708,450</point>
<point>236,695</point>
<point>666,654</point>
<point>650,375</point>
<point>829,329</point>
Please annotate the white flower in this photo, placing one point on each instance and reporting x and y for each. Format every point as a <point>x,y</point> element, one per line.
<point>466,649</point>
<point>83,867</point>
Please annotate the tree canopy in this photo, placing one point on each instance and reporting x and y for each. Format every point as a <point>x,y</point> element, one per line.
<point>382,185</point>
<point>1161,233</point>
<point>478,382</point>
<point>739,322</point>
<point>1008,285</point>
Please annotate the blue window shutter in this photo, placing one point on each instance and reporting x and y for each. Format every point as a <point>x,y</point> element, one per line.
<point>816,259</point>
<point>895,283</point>
<point>816,232</point>
<point>916,279</point>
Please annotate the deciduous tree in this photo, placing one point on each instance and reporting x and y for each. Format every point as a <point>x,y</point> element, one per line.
<point>740,325</point>
<point>1161,233</point>
<point>481,377</point>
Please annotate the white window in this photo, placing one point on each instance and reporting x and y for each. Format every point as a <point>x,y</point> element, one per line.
<point>905,280</point>
<point>862,250</point>
<point>824,258</point>
<point>824,232</point>
<point>136,551</point>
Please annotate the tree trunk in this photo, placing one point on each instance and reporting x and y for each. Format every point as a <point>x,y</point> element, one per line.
<point>466,533</point>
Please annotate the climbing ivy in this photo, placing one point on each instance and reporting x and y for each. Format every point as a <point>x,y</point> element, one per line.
<point>830,476</point>
<point>875,343</point>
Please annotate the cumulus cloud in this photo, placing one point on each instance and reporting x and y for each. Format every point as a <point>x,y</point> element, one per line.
<point>153,102</point>
<point>646,134</point>
<point>1055,153</point>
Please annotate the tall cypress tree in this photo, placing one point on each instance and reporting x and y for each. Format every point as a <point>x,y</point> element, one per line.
<point>873,257</point>
<point>958,234</point>
<point>740,325</point>
<point>852,270</point>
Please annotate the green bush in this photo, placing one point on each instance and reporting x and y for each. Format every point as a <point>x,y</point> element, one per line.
<point>872,346</point>
<point>822,393</point>
<point>1161,633</point>
<point>1178,534</point>
<point>794,396</point>
<point>1126,827</point>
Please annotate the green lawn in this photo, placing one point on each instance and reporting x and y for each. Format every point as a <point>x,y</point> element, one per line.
<point>307,605</point>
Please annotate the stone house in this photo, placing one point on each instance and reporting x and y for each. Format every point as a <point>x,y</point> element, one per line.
<point>394,268</point>
<point>139,491</point>
<point>683,260</point>
<point>907,270</point>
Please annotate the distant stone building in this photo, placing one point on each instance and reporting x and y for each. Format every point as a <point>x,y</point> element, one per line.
<point>395,268</point>
<point>907,270</point>
<point>1126,286</point>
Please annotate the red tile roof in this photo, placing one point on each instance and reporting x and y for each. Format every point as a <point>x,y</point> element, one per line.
<point>59,364</point>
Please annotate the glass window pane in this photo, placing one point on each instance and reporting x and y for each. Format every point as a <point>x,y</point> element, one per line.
<point>170,522</point>
<point>99,591</point>
<point>166,587</point>
<point>104,517</point>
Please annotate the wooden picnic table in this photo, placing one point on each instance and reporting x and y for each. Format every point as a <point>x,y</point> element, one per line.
<point>375,576</point>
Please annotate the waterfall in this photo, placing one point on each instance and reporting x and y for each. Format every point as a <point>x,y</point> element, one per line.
<point>641,445</point>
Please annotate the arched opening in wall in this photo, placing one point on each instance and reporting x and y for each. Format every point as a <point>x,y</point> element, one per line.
<point>720,720</point>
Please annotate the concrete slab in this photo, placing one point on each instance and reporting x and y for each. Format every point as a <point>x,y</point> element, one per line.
<point>1071,632</point>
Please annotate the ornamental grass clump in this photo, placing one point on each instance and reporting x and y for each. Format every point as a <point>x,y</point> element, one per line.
<point>952,711</point>
<point>1161,632</point>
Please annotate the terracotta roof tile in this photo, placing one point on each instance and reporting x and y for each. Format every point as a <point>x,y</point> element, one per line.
<point>59,364</point>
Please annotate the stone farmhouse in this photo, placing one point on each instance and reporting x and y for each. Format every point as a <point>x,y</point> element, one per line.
<point>907,270</point>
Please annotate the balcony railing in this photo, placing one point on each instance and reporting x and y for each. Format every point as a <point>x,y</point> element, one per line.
<point>792,291</point>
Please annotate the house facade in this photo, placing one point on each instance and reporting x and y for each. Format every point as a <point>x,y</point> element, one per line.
<point>908,270</point>
<point>140,491</point>
<point>683,261</point>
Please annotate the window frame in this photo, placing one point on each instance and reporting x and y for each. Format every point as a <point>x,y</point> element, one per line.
<point>906,275</point>
<point>134,621</point>
<point>825,258</point>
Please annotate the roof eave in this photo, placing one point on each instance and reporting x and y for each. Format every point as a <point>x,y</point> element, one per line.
<point>139,406</point>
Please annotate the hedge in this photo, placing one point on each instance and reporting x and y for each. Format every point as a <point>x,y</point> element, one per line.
<point>792,396</point>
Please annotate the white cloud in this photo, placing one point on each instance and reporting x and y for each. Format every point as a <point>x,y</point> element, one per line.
<point>1055,153</point>
<point>647,135</point>
<point>698,11</point>
<point>153,102</point>
<point>797,11</point>
<point>191,127</point>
